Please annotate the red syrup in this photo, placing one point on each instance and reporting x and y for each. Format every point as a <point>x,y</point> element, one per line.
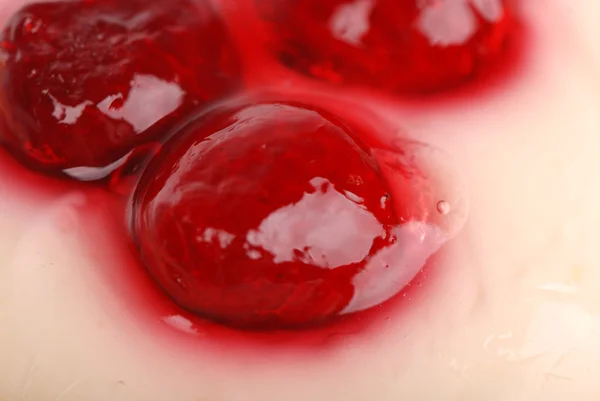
<point>409,47</point>
<point>145,302</point>
<point>272,216</point>
<point>86,83</point>
<point>420,179</point>
<point>258,43</point>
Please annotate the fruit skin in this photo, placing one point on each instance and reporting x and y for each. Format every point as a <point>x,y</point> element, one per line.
<point>259,217</point>
<point>85,82</point>
<point>401,46</point>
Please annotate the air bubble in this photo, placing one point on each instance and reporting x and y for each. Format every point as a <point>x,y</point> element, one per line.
<point>443,207</point>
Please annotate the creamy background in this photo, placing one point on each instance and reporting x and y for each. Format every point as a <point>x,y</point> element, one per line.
<point>516,319</point>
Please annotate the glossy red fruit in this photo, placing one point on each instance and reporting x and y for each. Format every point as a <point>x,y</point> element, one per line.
<point>84,82</point>
<point>416,46</point>
<point>262,217</point>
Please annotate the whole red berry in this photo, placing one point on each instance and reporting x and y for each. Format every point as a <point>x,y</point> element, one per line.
<point>84,82</point>
<point>264,216</point>
<point>415,46</point>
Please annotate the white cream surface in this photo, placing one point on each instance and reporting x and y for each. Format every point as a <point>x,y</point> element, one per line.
<point>516,318</point>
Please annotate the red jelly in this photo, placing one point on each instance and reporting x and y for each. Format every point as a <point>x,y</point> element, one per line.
<point>268,216</point>
<point>85,82</point>
<point>403,46</point>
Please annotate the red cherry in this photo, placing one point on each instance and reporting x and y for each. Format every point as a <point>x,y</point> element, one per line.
<point>266,217</point>
<point>398,45</point>
<point>85,82</point>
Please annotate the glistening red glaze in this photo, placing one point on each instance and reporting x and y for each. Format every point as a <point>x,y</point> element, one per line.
<point>118,276</point>
<point>85,82</point>
<point>140,296</point>
<point>263,217</point>
<point>124,288</point>
<point>409,46</point>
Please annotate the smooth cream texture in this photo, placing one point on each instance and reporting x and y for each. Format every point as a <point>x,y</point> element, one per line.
<point>516,319</point>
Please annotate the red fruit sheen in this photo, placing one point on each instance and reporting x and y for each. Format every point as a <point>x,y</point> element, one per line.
<point>267,217</point>
<point>86,82</point>
<point>419,176</point>
<point>402,46</point>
